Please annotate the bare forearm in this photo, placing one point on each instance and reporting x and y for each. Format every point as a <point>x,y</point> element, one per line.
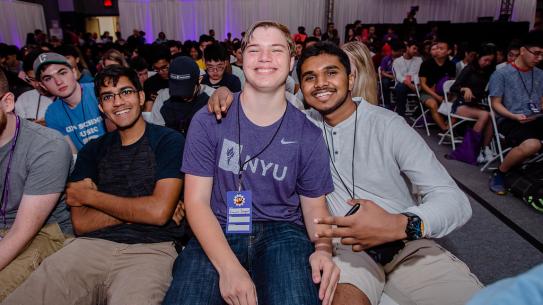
<point>207,230</point>
<point>12,244</point>
<point>311,211</point>
<point>504,112</point>
<point>87,219</point>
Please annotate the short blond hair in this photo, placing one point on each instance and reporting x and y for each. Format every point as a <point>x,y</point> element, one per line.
<point>269,24</point>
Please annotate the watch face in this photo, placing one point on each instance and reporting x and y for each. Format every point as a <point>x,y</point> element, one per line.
<point>414,227</point>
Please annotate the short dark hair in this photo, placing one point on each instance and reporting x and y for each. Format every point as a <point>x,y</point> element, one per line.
<point>323,48</point>
<point>441,41</point>
<point>112,74</point>
<point>139,64</point>
<point>28,61</point>
<point>4,86</point>
<point>533,39</point>
<point>311,39</point>
<point>205,38</point>
<point>215,52</point>
<point>411,43</point>
<point>68,50</point>
<point>160,52</point>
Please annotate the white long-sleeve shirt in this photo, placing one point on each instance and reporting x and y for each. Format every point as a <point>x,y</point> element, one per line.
<point>403,67</point>
<point>391,156</point>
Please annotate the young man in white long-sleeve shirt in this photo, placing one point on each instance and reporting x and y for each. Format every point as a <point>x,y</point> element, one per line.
<point>406,68</point>
<point>390,157</point>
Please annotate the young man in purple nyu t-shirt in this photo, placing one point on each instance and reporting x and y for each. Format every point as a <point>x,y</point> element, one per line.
<point>251,246</point>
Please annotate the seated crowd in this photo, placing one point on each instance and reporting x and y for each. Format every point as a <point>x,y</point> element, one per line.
<point>226,172</point>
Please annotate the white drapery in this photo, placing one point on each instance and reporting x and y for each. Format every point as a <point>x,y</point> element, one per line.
<point>188,19</point>
<point>394,11</point>
<point>19,18</point>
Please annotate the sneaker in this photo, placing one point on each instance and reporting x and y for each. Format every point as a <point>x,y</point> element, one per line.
<point>488,154</point>
<point>496,183</point>
<point>481,158</point>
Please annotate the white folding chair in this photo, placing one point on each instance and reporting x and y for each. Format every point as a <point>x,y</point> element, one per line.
<point>445,109</point>
<point>498,138</point>
<point>423,110</point>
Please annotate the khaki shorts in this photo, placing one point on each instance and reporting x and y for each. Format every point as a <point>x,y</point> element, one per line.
<point>423,273</point>
<point>48,240</point>
<point>97,271</point>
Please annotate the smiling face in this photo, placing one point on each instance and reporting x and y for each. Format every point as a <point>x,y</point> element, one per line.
<point>325,83</point>
<point>267,59</point>
<point>124,107</point>
<point>59,80</point>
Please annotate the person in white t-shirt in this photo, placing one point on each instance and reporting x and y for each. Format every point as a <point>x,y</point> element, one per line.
<point>406,68</point>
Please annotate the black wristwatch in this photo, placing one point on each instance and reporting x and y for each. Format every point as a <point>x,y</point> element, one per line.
<point>415,226</point>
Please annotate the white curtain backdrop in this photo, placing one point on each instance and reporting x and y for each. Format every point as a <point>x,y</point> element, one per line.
<point>18,18</point>
<point>394,11</point>
<point>188,19</point>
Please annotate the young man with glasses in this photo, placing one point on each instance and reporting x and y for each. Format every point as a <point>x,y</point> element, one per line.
<point>216,60</point>
<point>160,64</point>
<point>516,93</point>
<point>75,111</point>
<point>123,192</point>
<point>34,165</point>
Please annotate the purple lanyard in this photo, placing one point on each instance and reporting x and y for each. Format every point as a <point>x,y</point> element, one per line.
<point>5,191</point>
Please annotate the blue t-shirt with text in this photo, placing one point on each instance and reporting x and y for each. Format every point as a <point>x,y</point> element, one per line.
<point>82,123</point>
<point>296,162</point>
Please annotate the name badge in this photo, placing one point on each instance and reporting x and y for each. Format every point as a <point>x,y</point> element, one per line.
<point>239,212</point>
<point>534,108</point>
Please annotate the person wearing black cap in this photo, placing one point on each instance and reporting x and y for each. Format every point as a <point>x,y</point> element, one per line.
<point>75,113</point>
<point>185,99</point>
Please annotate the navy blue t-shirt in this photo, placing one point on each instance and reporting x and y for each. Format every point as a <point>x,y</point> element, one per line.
<point>132,171</point>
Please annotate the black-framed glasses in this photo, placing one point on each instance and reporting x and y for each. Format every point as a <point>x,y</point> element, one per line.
<point>162,69</point>
<point>536,54</point>
<point>124,94</point>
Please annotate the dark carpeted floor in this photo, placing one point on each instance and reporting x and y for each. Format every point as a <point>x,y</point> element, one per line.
<point>487,244</point>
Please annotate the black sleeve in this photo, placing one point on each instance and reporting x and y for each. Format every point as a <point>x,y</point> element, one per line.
<point>235,83</point>
<point>86,165</point>
<point>169,154</point>
<point>424,70</point>
<point>462,80</point>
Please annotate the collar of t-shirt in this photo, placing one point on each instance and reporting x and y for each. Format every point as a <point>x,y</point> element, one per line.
<point>519,68</point>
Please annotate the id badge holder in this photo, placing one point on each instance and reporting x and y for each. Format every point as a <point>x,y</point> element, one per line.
<point>239,219</point>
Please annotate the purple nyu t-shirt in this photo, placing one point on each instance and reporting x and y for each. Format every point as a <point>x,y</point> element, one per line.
<point>296,163</point>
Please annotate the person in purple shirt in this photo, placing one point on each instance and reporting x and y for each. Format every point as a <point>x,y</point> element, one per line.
<point>387,75</point>
<point>252,181</point>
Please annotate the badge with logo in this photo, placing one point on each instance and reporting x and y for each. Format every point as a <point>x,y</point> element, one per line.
<point>239,212</point>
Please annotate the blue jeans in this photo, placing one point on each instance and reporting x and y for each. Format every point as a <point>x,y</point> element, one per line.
<point>276,256</point>
<point>401,92</point>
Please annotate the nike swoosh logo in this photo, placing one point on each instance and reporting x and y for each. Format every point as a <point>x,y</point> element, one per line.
<point>283,141</point>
